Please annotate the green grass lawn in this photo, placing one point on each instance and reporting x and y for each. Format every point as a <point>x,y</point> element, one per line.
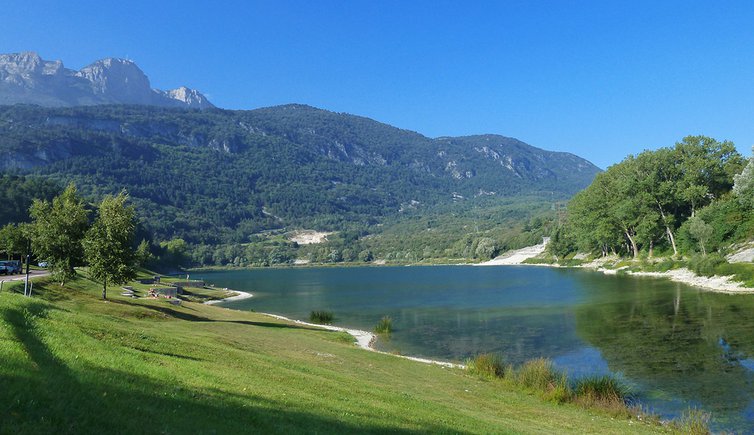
<point>72,363</point>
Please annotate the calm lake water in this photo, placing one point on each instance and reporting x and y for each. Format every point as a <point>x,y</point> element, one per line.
<point>676,346</point>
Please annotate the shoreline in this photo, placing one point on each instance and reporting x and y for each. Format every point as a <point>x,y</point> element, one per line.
<point>364,339</point>
<point>716,283</point>
<point>240,296</point>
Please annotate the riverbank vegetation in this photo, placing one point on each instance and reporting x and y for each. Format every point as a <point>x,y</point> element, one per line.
<point>693,201</point>
<point>155,367</point>
<point>604,393</point>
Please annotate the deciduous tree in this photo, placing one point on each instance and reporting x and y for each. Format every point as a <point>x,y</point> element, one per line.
<point>109,243</point>
<point>56,231</point>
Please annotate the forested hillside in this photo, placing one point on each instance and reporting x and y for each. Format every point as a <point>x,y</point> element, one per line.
<point>224,177</point>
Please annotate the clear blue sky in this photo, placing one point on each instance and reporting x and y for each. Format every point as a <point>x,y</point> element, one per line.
<point>601,79</point>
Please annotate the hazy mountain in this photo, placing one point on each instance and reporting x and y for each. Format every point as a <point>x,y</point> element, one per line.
<point>215,174</point>
<point>27,78</point>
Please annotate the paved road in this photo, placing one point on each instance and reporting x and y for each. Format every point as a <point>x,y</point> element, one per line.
<point>21,277</point>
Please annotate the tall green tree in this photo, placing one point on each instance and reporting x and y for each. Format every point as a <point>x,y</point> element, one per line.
<point>743,187</point>
<point>108,244</point>
<point>56,232</point>
<point>12,240</point>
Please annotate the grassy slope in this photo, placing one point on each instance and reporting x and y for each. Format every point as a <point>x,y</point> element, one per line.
<point>72,363</point>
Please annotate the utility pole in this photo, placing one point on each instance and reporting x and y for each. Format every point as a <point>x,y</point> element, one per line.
<point>27,290</point>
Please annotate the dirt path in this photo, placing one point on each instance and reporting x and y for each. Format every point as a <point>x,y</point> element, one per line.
<point>21,277</point>
<point>517,256</point>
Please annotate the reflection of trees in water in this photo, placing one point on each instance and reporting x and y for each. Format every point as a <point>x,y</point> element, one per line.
<point>677,340</point>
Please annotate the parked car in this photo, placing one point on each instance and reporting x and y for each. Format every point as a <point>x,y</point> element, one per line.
<point>10,267</point>
<point>42,264</point>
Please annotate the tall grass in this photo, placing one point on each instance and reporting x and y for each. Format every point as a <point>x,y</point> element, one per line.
<point>384,326</point>
<point>321,317</point>
<point>539,375</point>
<point>693,422</point>
<point>602,391</point>
<point>486,365</point>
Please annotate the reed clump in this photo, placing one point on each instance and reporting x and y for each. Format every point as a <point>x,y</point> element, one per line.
<point>321,317</point>
<point>486,365</point>
<point>384,326</point>
<point>542,378</point>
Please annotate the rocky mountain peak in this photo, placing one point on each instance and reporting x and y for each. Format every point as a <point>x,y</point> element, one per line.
<point>27,78</point>
<point>118,79</point>
<point>190,97</point>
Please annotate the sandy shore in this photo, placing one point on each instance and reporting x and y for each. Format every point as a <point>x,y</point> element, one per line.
<point>720,284</point>
<point>240,296</point>
<point>517,256</point>
<point>365,340</point>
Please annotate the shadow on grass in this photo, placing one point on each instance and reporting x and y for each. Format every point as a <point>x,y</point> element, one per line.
<point>44,395</point>
<point>182,315</point>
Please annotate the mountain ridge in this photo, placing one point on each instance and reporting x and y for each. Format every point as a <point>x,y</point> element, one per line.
<point>28,79</point>
<point>216,174</point>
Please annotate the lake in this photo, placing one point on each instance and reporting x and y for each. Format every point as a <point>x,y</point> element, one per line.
<point>676,346</point>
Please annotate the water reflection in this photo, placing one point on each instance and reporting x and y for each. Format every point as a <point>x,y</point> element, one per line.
<point>674,341</point>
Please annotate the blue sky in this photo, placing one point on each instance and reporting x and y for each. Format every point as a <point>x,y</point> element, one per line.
<point>600,79</point>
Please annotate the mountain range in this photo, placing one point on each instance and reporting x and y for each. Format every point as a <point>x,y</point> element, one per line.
<point>27,78</point>
<point>219,176</point>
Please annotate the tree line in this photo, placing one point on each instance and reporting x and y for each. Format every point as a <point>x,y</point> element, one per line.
<point>61,233</point>
<point>691,197</point>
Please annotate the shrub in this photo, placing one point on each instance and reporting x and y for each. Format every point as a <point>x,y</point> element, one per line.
<point>384,326</point>
<point>486,365</point>
<point>321,317</point>
<point>706,265</point>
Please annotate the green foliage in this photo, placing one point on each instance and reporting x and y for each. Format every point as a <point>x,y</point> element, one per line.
<point>743,272</point>
<point>700,231</point>
<point>640,203</point>
<point>486,365</point>
<point>743,187</point>
<point>108,245</point>
<point>13,241</point>
<point>706,265</point>
<point>322,317</point>
<point>144,254</point>
<point>57,230</point>
<point>18,192</point>
<point>384,326</point>
<point>220,177</point>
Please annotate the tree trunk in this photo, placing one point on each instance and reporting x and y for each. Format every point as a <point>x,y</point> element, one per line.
<point>667,229</point>
<point>104,290</point>
<point>634,248</point>
<point>651,248</point>
<point>672,240</point>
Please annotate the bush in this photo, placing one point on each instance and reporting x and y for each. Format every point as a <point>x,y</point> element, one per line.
<point>706,265</point>
<point>743,272</point>
<point>486,365</point>
<point>321,317</point>
<point>384,326</point>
